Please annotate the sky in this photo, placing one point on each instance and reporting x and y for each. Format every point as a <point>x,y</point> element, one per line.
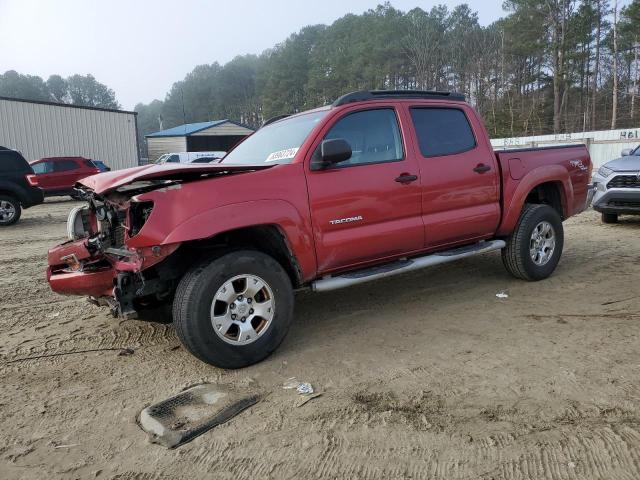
<point>139,48</point>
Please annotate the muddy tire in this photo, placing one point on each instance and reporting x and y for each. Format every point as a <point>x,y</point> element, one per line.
<point>535,246</point>
<point>609,218</point>
<point>235,310</point>
<point>10,210</point>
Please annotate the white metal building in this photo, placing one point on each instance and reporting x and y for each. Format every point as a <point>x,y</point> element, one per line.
<point>603,145</point>
<point>216,135</point>
<point>44,129</point>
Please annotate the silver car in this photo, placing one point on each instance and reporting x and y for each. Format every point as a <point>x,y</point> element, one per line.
<point>618,186</point>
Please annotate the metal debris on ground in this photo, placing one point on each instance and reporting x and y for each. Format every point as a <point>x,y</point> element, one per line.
<point>304,399</point>
<point>502,295</point>
<point>181,418</point>
<point>303,388</point>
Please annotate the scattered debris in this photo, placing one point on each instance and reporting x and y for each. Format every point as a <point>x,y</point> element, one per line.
<point>192,412</point>
<point>291,383</point>
<point>125,352</point>
<point>502,295</point>
<point>66,446</point>
<point>304,399</point>
<point>303,388</point>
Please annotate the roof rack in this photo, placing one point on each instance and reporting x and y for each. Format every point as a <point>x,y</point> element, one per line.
<point>363,95</point>
<point>275,119</point>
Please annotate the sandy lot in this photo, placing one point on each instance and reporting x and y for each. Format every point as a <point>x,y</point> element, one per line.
<point>427,375</point>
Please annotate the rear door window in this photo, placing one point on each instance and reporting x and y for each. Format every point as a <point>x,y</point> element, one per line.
<point>64,166</point>
<point>442,131</point>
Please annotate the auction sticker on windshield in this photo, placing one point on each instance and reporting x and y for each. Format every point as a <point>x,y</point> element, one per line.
<point>282,154</point>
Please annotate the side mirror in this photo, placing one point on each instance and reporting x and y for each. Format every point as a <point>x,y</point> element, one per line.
<point>333,151</point>
<point>626,152</point>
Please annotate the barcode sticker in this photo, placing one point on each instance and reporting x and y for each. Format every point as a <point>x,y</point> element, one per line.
<point>282,154</point>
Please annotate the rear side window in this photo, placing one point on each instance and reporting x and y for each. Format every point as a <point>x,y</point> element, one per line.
<point>374,136</point>
<point>11,161</point>
<point>42,167</point>
<point>442,131</point>
<point>64,166</point>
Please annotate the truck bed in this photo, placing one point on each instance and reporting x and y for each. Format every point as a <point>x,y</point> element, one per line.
<point>522,169</point>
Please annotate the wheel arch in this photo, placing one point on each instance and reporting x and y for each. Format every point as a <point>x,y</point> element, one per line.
<point>549,185</point>
<point>269,239</point>
<point>252,220</point>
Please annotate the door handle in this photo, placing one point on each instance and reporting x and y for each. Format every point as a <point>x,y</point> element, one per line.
<point>482,168</point>
<point>406,178</point>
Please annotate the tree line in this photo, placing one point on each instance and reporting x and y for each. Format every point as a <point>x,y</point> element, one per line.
<point>547,66</point>
<point>82,90</point>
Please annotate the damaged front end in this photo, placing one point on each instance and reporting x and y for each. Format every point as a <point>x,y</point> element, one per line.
<point>108,257</point>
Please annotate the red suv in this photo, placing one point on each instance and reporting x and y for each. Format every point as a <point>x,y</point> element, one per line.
<point>58,175</point>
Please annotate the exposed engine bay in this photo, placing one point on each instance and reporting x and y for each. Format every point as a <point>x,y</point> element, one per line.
<point>126,279</point>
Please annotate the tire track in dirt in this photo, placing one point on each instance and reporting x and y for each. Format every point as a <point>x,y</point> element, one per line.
<point>128,335</point>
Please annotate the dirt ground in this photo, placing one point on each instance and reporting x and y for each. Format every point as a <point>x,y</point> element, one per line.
<point>428,375</point>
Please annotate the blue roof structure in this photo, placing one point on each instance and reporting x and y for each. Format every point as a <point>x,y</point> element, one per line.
<point>188,129</point>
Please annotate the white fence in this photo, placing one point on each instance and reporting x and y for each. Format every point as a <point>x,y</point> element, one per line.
<point>603,145</point>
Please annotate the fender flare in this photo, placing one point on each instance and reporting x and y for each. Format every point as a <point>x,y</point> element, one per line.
<point>543,174</point>
<point>295,228</point>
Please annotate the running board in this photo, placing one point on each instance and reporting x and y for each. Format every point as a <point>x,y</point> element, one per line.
<point>402,266</point>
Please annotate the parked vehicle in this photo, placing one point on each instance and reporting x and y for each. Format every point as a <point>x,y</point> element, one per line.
<point>618,187</point>
<point>58,175</point>
<point>101,165</point>
<point>376,184</point>
<point>18,186</point>
<point>206,160</point>
<point>187,157</point>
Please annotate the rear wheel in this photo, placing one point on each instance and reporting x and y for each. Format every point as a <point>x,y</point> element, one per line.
<point>609,218</point>
<point>535,246</point>
<point>10,210</point>
<point>235,310</point>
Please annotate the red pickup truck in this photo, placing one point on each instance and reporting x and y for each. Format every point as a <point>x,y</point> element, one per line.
<point>376,184</point>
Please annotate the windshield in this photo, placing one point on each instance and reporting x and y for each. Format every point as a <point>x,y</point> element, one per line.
<point>275,143</point>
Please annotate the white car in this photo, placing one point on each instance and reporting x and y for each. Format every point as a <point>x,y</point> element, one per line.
<point>190,157</point>
<point>618,187</point>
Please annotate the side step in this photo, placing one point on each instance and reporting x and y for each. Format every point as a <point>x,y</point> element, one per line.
<point>402,266</point>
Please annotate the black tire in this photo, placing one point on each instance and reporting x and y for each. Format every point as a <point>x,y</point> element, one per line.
<point>193,301</point>
<point>13,202</point>
<point>609,217</point>
<point>516,255</point>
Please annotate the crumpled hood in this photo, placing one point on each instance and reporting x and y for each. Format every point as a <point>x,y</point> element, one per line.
<point>107,181</point>
<point>625,164</point>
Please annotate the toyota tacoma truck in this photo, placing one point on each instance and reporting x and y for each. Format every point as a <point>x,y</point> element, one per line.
<point>376,184</point>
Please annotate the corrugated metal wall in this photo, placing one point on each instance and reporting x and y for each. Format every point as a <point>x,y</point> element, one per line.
<point>158,146</point>
<point>604,145</point>
<point>43,130</point>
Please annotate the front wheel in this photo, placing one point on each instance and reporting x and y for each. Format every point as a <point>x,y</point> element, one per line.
<point>535,246</point>
<point>235,310</point>
<point>609,218</point>
<point>9,210</point>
